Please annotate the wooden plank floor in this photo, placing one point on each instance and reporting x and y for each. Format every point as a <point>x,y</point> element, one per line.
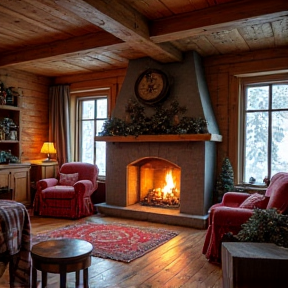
<point>177,263</point>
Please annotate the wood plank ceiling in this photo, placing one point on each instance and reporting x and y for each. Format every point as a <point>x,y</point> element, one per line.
<point>64,37</point>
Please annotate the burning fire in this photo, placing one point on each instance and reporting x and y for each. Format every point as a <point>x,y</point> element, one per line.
<point>170,186</point>
<point>167,196</point>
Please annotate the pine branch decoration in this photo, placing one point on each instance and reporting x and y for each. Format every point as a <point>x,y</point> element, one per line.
<point>163,121</point>
<point>265,226</point>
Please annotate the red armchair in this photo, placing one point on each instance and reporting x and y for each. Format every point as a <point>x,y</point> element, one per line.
<point>236,208</point>
<point>69,196</point>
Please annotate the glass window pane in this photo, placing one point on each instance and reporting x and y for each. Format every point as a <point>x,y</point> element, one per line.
<point>279,153</point>
<point>102,108</point>
<point>279,96</point>
<point>101,157</point>
<point>257,98</point>
<point>91,123</point>
<point>88,109</point>
<point>87,142</point>
<point>256,146</point>
<point>99,126</point>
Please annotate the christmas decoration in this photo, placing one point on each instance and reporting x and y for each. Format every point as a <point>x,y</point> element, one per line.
<point>225,181</point>
<point>266,226</point>
<point>163,121</point>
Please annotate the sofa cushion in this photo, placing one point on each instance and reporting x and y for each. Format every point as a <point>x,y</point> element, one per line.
<point>279,197</point>
<point>65,192</point>
<point>256,200</point>
<point>68,179</point>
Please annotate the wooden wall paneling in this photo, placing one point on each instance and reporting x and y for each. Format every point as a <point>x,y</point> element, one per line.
<point>86,77</point>
<point>92,84</point>
<point>218,89</point>
<point>232,59</point>
<point>114,93</point>
<point>233,125</point>
<point>34,110</point>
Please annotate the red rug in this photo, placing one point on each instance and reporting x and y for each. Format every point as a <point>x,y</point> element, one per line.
<point>114,241</point>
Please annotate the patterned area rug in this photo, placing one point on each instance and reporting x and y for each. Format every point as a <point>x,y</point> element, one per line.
<point>114,241</point>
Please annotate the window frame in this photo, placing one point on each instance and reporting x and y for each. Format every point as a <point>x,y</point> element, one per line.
<point>80,100</point>
<point>244,83</point>
<point>81,93</point>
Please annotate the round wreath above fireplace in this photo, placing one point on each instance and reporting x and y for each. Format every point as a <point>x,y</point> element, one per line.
<point>152,86</point>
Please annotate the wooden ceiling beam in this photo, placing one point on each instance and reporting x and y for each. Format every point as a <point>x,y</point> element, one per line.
<point>81,44</point>
<point>123,22</point>
<point>226,16</point>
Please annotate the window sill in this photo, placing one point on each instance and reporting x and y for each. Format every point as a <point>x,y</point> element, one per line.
<point>251,188</point>
<point>101,179</point>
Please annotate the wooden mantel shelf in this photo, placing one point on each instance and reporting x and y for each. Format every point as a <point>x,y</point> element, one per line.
<point>162,138</point>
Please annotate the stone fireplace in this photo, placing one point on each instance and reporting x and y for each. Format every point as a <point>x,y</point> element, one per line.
<point>135,163</point>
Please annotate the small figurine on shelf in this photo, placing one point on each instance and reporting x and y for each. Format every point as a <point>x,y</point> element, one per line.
<point>9,128</point>
<point>2,133</point>
<point>6,157</point>
<point>3,94</point>
<point>12,95</point>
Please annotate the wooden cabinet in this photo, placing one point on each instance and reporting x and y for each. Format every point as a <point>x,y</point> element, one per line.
<point>17,178</point>
<point>10,141</point>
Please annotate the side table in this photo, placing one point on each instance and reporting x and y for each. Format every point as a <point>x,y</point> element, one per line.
<point>41,170</point>
<point>61,256</point>
<point>254,265</point>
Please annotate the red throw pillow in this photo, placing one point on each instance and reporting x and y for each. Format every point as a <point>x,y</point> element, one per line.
<point>68,179</point>
<point>256,200</point>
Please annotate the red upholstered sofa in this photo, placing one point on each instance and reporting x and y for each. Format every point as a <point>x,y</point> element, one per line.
<point>68,196</point>
<point>236,208</point>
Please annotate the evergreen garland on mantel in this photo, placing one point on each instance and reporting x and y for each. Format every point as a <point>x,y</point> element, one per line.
<point>163,121</point>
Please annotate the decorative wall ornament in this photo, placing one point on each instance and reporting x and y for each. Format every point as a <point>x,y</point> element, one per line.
<point>152,86</point>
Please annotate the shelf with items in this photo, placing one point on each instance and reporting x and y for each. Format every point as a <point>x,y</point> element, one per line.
<point>10,120</point>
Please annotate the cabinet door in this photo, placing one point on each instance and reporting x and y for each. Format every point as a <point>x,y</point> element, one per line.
<point>49,171</point>
<point>4,178</point>
<point>21,185</point>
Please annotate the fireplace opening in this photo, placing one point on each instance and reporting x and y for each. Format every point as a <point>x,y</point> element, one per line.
<point>154,182</point>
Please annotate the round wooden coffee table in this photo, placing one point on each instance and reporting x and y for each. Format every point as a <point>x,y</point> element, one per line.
<point>61,256</point>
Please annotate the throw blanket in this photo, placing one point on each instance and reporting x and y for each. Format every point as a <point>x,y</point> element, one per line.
<point>15,242</point>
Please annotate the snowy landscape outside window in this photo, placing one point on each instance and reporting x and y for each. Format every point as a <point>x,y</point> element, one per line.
<point>93,113</point>
<point>265,131</point>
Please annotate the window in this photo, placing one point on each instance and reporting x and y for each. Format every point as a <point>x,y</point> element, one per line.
<point>92,115</point>
<point>265,130</point>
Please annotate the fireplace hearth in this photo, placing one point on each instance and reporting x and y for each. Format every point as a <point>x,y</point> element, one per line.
<point>192,157</point>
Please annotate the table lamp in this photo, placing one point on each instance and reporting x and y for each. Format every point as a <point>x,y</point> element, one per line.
<point>48,148</point>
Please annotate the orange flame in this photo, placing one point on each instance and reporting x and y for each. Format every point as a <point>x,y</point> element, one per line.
<point>170,185</point>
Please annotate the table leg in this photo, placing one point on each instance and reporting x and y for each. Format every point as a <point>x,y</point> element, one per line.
<point>44,279</point>
<point>62,280</point>
<point>85,278</point>
<point>77,278</point>
<point>34,277</point>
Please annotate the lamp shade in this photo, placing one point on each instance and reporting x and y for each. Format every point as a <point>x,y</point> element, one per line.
<point>48,148</point>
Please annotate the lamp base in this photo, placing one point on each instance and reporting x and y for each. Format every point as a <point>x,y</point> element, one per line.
<point>49,160</point>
